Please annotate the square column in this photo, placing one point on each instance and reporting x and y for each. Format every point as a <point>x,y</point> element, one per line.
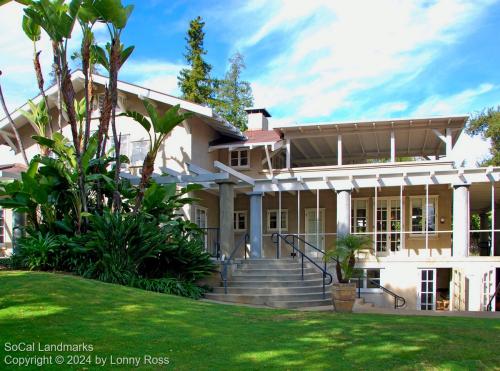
<point>343,212</point>
<point>255,224</point>
<point>226,216</point>
<point>461,220</point>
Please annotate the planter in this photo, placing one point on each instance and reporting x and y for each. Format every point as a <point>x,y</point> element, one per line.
<point>343,296</point>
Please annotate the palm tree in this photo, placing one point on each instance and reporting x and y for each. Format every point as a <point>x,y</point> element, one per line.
<point>344,254</point>
<point>158,127</point>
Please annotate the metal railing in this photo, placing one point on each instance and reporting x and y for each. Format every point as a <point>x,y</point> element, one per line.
<point>212,242</point>
<point>243,241</point>
<point>295,249</point>
<point>399,301</point>
<point>490,302</point>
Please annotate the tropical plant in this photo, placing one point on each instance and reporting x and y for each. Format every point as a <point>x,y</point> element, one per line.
<point>344,254</point>
<point>39,118</point>
<point>158,126</point>
<point>38,251</point>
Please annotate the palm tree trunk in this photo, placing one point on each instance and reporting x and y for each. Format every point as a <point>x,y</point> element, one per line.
<point>113,82</point>
<point>14,129</point>
<point>147,170</point>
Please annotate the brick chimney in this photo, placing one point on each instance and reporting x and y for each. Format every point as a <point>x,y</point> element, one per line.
<point>257,118</point>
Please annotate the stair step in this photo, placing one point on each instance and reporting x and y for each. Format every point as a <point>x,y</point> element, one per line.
<point>283,283</point>
<point>266,299</point>
<point>259,290</point>
<point>273,271</point>
<point>301,303</point>
<point>240,276</point>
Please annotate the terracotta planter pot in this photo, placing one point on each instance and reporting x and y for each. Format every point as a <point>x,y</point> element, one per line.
<point>343,296</point>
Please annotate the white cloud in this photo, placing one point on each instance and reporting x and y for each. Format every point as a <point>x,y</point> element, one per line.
<point>338,49</point>
<point>459,103</point>
<point>153,74</point>
<point>16,59</point>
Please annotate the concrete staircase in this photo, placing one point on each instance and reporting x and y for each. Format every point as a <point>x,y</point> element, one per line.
<point>275,283</point>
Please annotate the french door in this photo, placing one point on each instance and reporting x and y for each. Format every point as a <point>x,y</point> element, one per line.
<point>427,289</point>
<point>488,289</point>
<point>315,231</point>
<point>388,225</point>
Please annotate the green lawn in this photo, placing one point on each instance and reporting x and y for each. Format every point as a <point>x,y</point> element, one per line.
<point>118,321</point>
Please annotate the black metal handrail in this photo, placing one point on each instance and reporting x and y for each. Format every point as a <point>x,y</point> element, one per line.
<point>243,241</point>
<point>399,301</point>
<point>276,238</point>
<point>213,241</point>
<point>490,302</point>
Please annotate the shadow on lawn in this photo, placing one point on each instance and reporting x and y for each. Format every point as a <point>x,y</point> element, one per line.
<point>200,335</point>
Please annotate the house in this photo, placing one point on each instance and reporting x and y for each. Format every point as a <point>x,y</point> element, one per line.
<point>272,189</point>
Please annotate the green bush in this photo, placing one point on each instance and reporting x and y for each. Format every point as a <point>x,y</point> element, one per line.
<point>38,251</point>
<point>170,285</point>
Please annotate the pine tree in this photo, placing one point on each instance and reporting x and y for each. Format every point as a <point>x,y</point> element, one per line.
<point>234,95</point>
<point>194,82</point>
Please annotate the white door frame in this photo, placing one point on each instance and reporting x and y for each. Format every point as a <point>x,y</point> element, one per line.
<point>205,210</point>
<point>428,280</point>
<point>488,286</point>
<point>321,236</point>
<point>388,231</point>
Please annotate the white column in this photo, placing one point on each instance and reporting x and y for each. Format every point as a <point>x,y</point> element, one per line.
<point>460,220</point>
<point>493,217</point>
<point>375,235</point>
<point>343,212</point>
<point>339,149</point>
<point>288,154</point>
<point>298,216</point>
<point>449,142</point>
<point>317,218</point>
<point>393,146</point>
<point>255,224</point>
<point>427,219</point>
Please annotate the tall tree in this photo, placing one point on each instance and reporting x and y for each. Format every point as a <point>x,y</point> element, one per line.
<point>195,82</point>
<point>487,124</point>
<point>234,95</point>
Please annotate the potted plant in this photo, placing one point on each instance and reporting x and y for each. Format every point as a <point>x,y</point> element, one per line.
<point>344,257</point>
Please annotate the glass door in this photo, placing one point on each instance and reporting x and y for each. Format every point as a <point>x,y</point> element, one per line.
<point>427,289</point>
<point>388,225</point>
<point>488,289</point>
<point>315,231</point>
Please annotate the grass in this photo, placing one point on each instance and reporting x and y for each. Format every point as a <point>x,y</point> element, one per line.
<point>53,308</point>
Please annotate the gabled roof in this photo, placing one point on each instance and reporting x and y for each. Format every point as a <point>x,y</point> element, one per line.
<point>77,78</point>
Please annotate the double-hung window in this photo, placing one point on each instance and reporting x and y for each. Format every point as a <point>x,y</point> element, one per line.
<point>359,214</point>
<point>240,221</point>
<point>240,158</point>
<point>419,214</point>
<point>272,220</point>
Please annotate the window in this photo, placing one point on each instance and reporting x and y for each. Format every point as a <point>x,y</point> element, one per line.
<point>419,215</point>
<point>98,102</point>
<point>272,220</point>
<point>240,221</point>
<point>370,279</point>
<point>139,150</point>
<point>359,214</point>
<point>240,158</point>
<point>2,220</point>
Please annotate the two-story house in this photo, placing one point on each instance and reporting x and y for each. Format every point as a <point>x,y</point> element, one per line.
<point>434,226</point>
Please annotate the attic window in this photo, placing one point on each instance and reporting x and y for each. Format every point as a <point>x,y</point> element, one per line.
<point>98,102</point>
<point>240,158</point>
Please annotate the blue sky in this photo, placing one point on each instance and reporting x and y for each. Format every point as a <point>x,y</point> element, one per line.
<point>313,60</point>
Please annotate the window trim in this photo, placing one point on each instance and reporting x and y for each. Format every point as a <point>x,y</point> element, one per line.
<point>353,213</point>
<point>366,289</point>
<point>239,166</point>
<point>268,220</point>
<point>201,208</point>
<point>235,221</point>
<point>424,210</point>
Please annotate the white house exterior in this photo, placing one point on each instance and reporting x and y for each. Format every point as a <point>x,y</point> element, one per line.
<point>391,179</point>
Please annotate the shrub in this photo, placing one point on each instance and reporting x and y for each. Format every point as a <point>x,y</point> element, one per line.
<point>170,285</point>
<point>38,251</point>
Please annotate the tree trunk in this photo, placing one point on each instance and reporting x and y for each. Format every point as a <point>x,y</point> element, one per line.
<point>12,124</point>
<point>147,170</point>
<point>39,79</point>
<point>113,82</point>
<point>86,72</point>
